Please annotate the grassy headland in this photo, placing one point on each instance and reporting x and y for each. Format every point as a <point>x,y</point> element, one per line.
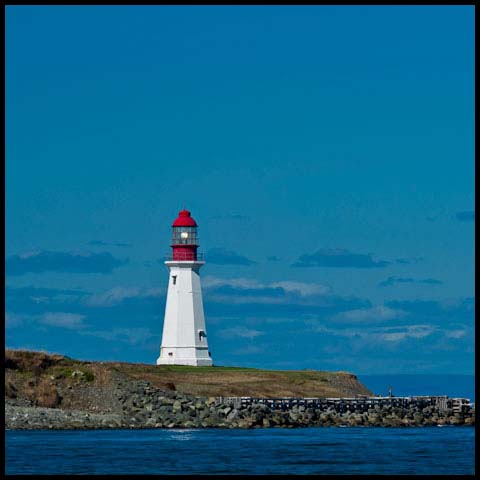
<point>53,380</point>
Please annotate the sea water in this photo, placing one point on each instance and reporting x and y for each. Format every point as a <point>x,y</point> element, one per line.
<point>324,450</point>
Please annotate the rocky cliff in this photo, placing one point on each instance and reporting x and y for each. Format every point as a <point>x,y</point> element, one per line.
<point>55,392</point>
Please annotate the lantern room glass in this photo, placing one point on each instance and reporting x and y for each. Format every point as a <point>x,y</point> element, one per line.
<point>184,236</point>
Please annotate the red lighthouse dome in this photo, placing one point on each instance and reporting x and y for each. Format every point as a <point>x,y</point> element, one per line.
<point>184,237</point>
<point>184,219</point>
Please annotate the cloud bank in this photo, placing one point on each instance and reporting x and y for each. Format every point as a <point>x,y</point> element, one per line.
<point>338,258</point>
<point>394,280</point>
<point>380,313</point>
<point>268,323</point>
<point>40,261</point>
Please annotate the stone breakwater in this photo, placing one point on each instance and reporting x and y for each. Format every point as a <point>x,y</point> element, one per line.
<point>144,406</point>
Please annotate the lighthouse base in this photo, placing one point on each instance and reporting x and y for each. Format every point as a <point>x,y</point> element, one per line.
<point>196,357</point>
<point>184,338</point>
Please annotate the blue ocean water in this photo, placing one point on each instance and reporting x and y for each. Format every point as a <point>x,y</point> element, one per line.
<point>327,450</point>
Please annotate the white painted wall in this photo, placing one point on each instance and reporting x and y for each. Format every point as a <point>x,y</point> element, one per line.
<point>184,318</point>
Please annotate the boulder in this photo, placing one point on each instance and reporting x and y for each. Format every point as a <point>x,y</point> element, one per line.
<point>470,421</point>
<point>455,420</point>
<point>10,390</point>
<point>247,422</point>
<point>293,416</point>
<point>232,415</point>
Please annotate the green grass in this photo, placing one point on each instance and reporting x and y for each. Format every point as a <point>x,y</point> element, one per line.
<point>151,368</point>
<point>298,375</point>
<point>89,375</point>
<point>65,372</point>
<point>188,368</point>
<point>185,368</point>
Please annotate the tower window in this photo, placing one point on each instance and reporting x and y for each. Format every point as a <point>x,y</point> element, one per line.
<point>170,354</point>
<point>201,334</point>
<point>174,278</point>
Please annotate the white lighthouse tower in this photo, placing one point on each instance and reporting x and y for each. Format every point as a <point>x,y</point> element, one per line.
<point>184,338</point>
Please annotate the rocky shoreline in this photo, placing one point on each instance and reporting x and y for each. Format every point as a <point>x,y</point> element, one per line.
<point>143,406</point>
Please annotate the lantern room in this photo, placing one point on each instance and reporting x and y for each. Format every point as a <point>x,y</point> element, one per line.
<point>184,237</point>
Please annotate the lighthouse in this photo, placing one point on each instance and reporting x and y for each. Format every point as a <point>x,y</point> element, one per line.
<point>184,338</point>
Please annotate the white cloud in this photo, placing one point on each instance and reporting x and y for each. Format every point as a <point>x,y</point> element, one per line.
<point>368,315</point>
<point>304,289</point>
<point>455,333</point>
<point>62,319</point>
<point>378,335</point>
<point>13,320</point>
<point>413,331</point>
<point>240,332</point>
<point>211,281</point>
<point>29,253</point>
<point>247,290</point>
<point>39,300</point>
<point>117,295</point>
<point>132,336</point>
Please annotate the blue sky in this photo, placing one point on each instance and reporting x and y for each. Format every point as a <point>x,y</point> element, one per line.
<point>327,154</point>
